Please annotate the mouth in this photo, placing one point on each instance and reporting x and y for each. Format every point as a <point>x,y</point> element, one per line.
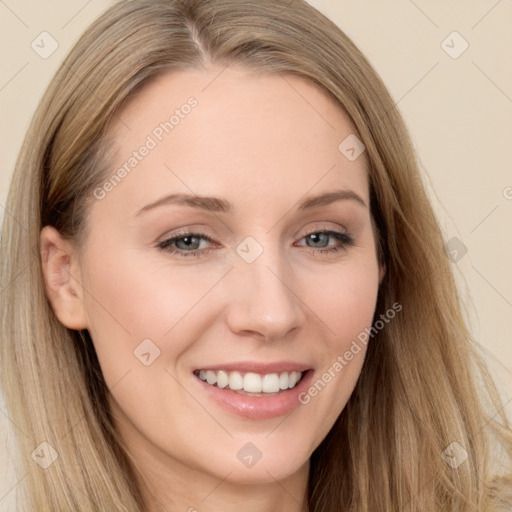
<point>255,391</point>
<point>251,383</point>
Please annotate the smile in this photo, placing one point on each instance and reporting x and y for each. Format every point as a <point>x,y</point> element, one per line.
<point>255,390</point>
<point>250,382</point>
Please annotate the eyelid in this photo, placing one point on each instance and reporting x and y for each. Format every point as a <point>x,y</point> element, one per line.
<point>200,233</point>
<point>322,228</point>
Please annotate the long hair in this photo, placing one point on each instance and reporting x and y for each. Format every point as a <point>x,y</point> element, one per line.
<point>423,385</point>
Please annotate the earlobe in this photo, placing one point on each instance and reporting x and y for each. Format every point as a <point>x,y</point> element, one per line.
<point>62,279</point>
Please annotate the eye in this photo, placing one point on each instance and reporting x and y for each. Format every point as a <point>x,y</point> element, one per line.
<point>189,244</point>
<point>320,240</point>
<point>185,244</point>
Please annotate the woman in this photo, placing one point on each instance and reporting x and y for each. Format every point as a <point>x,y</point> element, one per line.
<point>236,289</point>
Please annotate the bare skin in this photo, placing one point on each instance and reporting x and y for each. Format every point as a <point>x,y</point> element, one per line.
<point>265,143</point>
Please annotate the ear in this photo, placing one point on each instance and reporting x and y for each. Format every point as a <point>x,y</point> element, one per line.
<point>62,278</point>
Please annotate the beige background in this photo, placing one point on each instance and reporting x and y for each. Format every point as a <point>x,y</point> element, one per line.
<point>459,112</point>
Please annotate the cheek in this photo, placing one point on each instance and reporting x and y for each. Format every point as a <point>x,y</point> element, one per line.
<point>129,300</point>
<point>143,315</point>
<point>345,301</point>
<point>345,304</point>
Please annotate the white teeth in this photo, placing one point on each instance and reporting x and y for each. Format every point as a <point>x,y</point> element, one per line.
<point>251,382</point>
<point>283,380</point>
<point>270,383</point>
<point>211,377</point>
<point>236,381</point>
<point>222,379</point>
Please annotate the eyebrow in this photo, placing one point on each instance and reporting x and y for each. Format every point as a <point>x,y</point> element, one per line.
<point>217,204</point>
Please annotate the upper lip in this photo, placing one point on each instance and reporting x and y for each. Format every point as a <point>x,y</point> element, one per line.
<point>262,368</point>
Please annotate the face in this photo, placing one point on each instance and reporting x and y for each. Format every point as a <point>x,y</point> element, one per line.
<point>235,251</point>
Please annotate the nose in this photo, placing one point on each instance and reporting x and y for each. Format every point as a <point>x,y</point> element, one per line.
<point>263,301</point>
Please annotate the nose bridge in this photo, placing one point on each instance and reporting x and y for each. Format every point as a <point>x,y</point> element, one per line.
<point>263,298</point>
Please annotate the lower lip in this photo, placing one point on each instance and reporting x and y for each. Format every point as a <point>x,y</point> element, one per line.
<point>258,407</point>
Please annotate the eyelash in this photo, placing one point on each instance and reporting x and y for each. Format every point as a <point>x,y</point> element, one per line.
<point>166,245</point>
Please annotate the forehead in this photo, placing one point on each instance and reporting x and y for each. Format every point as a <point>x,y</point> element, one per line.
<point>233,130</point>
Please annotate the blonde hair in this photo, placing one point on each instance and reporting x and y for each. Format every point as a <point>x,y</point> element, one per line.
<point>417,392</point>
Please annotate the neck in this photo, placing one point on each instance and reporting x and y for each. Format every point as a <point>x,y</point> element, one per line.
<point>170,493</point>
